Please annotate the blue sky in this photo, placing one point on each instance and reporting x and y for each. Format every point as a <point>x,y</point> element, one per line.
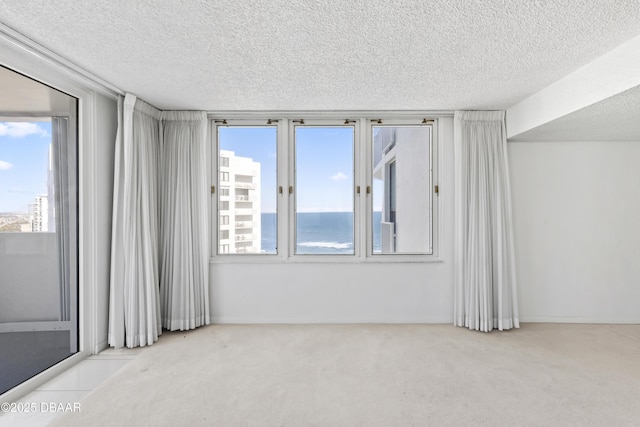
<point>24,154</point>
<point>259,144</point>
<point>324,156</point>
<point>324,169</point>
<point>324,164</point>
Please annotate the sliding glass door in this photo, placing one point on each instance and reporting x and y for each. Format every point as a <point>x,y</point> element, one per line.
<point>38,228</point>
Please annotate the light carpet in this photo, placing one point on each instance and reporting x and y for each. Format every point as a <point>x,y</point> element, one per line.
<point>376,375</point>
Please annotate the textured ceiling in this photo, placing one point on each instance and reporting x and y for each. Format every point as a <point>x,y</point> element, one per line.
<point>327,54</point>
<point>616,118</point>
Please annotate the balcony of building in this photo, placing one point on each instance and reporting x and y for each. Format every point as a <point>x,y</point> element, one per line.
<point>37,326</point>
<point>245,225</point>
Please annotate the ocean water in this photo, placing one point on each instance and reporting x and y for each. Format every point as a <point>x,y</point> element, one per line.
<point>319,232</point>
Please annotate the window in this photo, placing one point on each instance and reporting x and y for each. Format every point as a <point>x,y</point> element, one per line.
<point>38,228</point>
<point>402,189</point>
<point>247,200</point>
<point>324,196</point>
<point>349,189</point>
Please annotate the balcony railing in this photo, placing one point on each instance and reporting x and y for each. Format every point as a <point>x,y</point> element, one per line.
<point>245,224</point>
<point>245,185</point>
<point>245,237</point>
<point>245,211</point>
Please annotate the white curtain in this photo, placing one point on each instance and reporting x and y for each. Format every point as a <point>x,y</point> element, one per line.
<point>159,249</point>
<point>184,287</point>
<point>485,276</point>
<point>134,300</point>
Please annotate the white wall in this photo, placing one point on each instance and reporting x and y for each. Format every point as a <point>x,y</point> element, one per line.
<point>344,292</point>
<point>576,212</point>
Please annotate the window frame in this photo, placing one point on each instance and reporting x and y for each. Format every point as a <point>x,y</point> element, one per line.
<point>25,57</point>
<point>363,124</point>
<point>216,175</point>
<point>292,223</point>
<point>433,182</point>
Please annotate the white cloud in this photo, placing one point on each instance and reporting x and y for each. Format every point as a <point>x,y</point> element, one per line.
<point>339,177</point>
<point>5,165</point>
<point>21,129</point>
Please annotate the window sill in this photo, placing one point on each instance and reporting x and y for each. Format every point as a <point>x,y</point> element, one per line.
<point>325,259</point>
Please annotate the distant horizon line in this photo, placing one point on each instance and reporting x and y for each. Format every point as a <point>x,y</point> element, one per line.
<point>13,212</point>
<point>27,211</point>
<point>316,212</point>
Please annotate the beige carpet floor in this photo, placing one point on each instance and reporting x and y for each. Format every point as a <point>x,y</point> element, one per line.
<point>376,375</point>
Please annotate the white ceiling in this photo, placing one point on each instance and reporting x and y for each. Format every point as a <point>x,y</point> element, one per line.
<point>616,118</point>
<point>327,54</point>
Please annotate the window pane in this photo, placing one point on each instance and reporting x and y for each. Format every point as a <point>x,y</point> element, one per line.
<point>402,189</point>
<point>324,190</point>
<point>247,184</point>
<point>38,241</point>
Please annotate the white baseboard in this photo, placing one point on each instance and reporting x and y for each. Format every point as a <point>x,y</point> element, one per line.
<point>324,321</point>
<point>565,319</point>
<point>102,345</point>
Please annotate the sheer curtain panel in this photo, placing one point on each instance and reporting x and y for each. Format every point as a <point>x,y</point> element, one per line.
<point>159,252</point>
<point>134,301</point>
<point>184,284</point>
<point>485,276</point>
<point>63,202</point>
<point>62,205</point>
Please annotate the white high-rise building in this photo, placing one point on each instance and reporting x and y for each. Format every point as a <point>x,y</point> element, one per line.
<point>39,214</point>
<point>401,162</point>
<point>239,204</point>
<point>51,211</point>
